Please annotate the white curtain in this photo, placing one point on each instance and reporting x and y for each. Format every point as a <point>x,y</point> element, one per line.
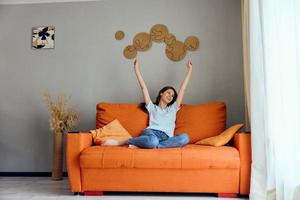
<point>246,62</point>
<point>275,99</point>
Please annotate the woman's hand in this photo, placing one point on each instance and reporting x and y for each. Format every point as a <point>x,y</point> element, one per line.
<point>136,64</point>
<point>189,65</point>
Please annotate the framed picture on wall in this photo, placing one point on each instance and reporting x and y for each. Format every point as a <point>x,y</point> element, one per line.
<point>43,37</point>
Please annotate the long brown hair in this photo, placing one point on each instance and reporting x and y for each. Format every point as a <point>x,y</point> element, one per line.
<point>143,105</point>
<point>162,91</point>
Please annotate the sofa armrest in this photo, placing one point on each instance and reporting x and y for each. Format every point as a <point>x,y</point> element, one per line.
<point>75,144</point>
<point>242,141</point>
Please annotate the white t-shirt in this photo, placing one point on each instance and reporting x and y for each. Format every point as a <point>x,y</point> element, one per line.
<point>162,119</point>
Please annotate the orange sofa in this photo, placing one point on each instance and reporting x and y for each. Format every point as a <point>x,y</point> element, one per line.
<point>194,168</point>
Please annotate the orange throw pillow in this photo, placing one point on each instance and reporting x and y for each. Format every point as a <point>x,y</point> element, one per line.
<point>221,139</point>
<point>201,120</point>
<point>131,116</point>
<point>112,131</point>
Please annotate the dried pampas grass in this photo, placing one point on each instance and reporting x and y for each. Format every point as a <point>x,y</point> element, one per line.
<point>62,117</point>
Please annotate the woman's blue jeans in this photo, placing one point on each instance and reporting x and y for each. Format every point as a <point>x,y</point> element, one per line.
<point>151,138</point>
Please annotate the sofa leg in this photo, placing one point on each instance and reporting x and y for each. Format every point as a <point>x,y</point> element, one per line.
<point>93,193</point>
<point>227,195</point>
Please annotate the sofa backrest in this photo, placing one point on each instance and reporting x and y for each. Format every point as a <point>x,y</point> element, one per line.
<point>198,121</point>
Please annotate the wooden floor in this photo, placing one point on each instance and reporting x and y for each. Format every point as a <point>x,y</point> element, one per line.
<point>42,188</point>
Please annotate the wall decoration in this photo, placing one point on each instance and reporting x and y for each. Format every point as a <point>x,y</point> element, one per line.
<point>170,39</point>
<point>142,41</point>
<point>119,35</point>
<point>192,43</point>
<point>43,37</point>
<point>129,52</point>
<point>158,32</point>
<point>175,50</point>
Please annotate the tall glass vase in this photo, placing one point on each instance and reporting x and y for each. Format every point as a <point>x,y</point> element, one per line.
<point>57,160</point>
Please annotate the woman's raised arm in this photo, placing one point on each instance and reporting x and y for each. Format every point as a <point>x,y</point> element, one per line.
<point>184,83</point>
<point>141,81</point>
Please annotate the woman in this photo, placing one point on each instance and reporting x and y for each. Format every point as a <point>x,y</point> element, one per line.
<point>162,115</point>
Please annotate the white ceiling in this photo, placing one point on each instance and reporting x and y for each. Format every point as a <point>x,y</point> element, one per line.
<point>39,1</point>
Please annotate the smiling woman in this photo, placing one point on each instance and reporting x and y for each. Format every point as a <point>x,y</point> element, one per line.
<point>162,115</point>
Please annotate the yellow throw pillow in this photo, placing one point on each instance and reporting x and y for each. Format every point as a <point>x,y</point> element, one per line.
<point>221,139</point>
<point>113,131</point>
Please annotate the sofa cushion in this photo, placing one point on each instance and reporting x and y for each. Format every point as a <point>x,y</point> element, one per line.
<point>113,130</point>
<point>206,157</point>
<point>201,121</point>
<point>131,116</point>
<point>190,157</point>
<point>221,139</point>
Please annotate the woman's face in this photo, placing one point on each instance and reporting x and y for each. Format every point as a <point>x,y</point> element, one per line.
<point>167,96</point>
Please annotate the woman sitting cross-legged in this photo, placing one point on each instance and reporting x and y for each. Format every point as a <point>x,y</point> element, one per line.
<point>162,116</point>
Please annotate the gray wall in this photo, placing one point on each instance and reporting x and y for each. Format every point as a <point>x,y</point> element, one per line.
<point>88,63</point>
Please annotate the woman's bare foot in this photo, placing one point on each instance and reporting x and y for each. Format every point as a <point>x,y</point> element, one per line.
<point>113,142</point>
<point>131,146</point>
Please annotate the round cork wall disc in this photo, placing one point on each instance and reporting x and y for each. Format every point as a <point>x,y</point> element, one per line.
<point>142,41</point>
<point>170,39</point>
<point>129,52</point>
<point>176,51</point>
<point>158,32</point>
<point>119,35</point>
<point>191,43</point>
